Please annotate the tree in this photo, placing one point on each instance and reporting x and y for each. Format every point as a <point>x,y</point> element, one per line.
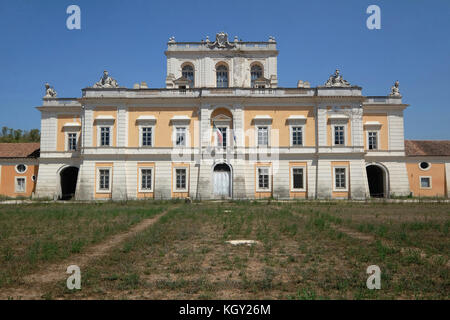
<point>10,135</point>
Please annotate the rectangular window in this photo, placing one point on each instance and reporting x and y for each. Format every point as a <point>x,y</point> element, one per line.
<point>372,140</point>
<point>222,136</point>
<point>263,178</point>
<point>425,182</point>
<point>298,179</point>
<point>105,138</point>
<point>297,136</point>
<point>72,141</point>
<point>180,176</point>
<point>20,184</point>
<point>147,136</point>
<point>339,135</point>
<point>263,136</point>
<point>146,179</point>
<point>104,179</point>
<point>180,136</point>
<point>340,179</point>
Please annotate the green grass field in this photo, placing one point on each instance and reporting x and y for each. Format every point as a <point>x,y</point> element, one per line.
<point>306,250</point>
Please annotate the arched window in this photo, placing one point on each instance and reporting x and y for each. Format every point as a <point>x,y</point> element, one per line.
<point>255,72</point>
<point>222,76</point>
<point>188,73</point>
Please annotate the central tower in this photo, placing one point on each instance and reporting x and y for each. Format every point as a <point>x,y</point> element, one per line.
<point>221,63</point>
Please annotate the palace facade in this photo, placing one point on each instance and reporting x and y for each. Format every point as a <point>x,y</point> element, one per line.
<point>223,128</point>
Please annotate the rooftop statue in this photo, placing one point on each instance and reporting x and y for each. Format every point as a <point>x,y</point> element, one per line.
<point>106,82</point>
<point>49,91</point>
<point>395,92</point>
<point>336,80</point>
<point>221,42</point>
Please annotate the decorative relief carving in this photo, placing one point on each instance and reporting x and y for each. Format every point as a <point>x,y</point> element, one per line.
<point>221,42</point>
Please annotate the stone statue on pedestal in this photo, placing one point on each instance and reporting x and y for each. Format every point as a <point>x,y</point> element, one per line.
<point>49,91</point>
<point>336,80</point>
<point>106,82</point>
<point>395,92</point>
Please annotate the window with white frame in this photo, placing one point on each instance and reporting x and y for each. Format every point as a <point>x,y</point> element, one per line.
<point>425,182</point>
<point>20,184</point>
<point>146,180</point>
<point>146,136</point>
<point>297,135</point>
<point>255,73</point>
<point>340,178</point>
<point>263,179</point>
<point>180,136</point>
<point>263,136</point>
<point>339,135</point>
<point>105,136</point>
<point>104,179</point>
<point>298,178</point>
<point>222,77</point>
<point>71,141</point>
<point>372,140</point>
<point>180,179</point>
<point>188,73</point>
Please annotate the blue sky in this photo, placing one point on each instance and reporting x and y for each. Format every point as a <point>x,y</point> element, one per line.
<point>128,38</point>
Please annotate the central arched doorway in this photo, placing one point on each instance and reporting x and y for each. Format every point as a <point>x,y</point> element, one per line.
<point>222,180</point>
<point>68,176</point>
<point>377,180</point>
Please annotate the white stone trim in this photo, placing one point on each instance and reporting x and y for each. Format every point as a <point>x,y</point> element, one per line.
<point>429,166</point>
<point>26,168</point>
<point>264,117</point>
<point>72,125</point>
<point>146,118</point>
<point>303,167</point>
<point>294,118</point>
<point>105,118</point>
<point>140,179</point>
<point>180,118</point>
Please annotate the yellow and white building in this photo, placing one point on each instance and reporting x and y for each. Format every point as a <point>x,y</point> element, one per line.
<point>222,128</point>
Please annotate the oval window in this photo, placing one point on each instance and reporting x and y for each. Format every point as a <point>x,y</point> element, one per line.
<point>21,168</point>
<point>424,165</point>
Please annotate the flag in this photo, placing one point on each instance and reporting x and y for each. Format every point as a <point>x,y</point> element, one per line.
<point>219,135</point>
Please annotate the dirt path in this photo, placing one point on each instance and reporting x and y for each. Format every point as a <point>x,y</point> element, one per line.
<point>31,287</point>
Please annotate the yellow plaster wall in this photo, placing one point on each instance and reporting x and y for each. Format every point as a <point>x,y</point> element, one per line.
<point>279,122</point>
